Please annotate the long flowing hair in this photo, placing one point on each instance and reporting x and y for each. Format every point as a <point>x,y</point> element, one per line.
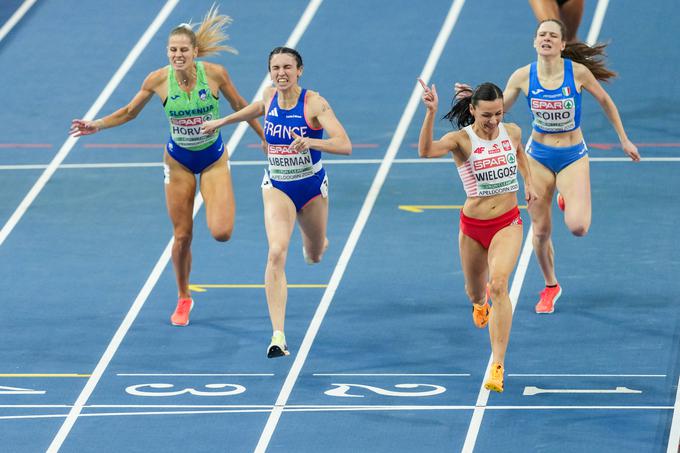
<point>209,38</point>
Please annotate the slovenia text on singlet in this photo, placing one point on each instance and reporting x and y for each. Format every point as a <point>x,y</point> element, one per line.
<point>187,113</point>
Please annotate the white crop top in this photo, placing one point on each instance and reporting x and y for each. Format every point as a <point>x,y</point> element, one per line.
<point>491,168</point>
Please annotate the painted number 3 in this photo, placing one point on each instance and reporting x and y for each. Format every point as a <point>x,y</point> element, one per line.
<point>213,390</point>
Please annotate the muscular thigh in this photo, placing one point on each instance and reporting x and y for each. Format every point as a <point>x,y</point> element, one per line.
<point>473,258</point>
<point>180,189</point>
<point>279,216</point>
<point>217,191</point>
<point>313,219</point>
<point>504,251</point>
<point>573,182</point>
<point>543,180</point>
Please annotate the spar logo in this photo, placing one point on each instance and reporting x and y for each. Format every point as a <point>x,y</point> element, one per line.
<point>506,145</point>
<point>511,159</point>
<point>491,162</point>
<point>280,149</point>
<point>568,104</point>
<point>542,104</point>
<point>191,121</point>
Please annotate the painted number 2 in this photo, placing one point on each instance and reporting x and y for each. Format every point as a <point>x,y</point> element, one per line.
<point>342,390</point>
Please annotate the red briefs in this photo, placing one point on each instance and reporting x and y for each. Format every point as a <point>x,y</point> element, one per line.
<point>483,231</point>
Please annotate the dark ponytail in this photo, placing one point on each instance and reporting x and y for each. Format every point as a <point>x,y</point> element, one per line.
<point>592,57</point>
<point>460,114</point>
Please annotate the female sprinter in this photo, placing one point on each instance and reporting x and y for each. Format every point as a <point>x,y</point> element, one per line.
<point>558,155</point>
<point>295,186</point>
<point>488,154</point>
<point>189,90</point>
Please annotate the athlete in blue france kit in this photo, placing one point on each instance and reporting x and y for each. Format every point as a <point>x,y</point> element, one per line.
<point>295,186</point>
<point>558,156</point>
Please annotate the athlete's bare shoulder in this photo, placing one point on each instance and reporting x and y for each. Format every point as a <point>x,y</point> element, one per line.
<point>520,74</point>
<point>514,132</point>
<point>215,71</point>
<point>158,76</point>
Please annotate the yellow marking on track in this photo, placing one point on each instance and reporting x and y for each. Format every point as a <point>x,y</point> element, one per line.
<point>43,375</point>
<point>418,208</point>
<point>423,207</point>
<point>203,288</point>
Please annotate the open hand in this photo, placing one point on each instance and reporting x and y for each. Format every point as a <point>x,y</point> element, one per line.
<point>82,127</point>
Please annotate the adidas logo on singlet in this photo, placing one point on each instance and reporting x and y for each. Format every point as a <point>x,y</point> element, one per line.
<point>273,112</point>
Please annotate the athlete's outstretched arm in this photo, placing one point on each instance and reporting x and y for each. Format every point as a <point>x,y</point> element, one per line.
<point>517,83</point>
<point>248,113</point>
<point>236,101</point>
<point>81,127</point>
<point>338,141</point>
<point>592,86</point>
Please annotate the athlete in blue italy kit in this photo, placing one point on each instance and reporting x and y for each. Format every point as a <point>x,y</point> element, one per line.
<point>557,153</point>
<point>189,89</point>
<point>295,185</point>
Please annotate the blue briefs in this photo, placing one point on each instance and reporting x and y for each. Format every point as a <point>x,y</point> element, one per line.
<point>196,161</point>
<point>301,191</point>
<point>556,159</point>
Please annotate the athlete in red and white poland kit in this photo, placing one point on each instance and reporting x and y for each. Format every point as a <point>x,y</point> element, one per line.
<point>488,154</point>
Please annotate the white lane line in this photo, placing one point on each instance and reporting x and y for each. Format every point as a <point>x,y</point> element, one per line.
<point>396,374</point>
<point>198,374</point>
<point>91,113</point>
<point>16,17</point>
<point>518,279</point>
<point>674,435</point>
<point>591,375</point>
<point>246,163</point>
<point>596,25</point>
<point>359,225</point>
<point>151,281</point>
<point>344,408</point>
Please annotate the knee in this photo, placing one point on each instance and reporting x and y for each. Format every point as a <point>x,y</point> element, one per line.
<point>221,234</point>
<point>313,258</point>
<point>277,254</point>
<point>183,239</point>
<point>474,297</point>
<point>579,230</point>
<point>498,288</point>
<point>541,233</point>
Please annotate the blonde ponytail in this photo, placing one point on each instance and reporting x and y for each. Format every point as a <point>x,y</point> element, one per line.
<point>209,37</point>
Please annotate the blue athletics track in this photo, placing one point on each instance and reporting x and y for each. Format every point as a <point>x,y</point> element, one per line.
<point>385,357</point>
